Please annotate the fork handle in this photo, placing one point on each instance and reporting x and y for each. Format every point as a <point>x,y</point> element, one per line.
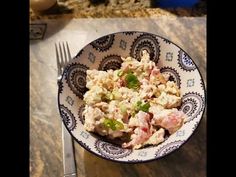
<point>70,175</point>
<point>69,163</point>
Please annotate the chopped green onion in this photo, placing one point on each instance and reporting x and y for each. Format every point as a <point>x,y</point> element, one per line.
<point>117,95</point>
<point>119,125</point>
<point>108,97</point>
<point>133,113</point>
<point>120,73</point>
<point>145,107</point>
<point>139,103</point>
<point>123,108</point>
<point>109,124</point>
<point>142,107</point>
<point>113,124</point>
<point>132,81</point>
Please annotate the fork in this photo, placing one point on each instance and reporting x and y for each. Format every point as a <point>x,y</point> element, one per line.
<point>63,57</point>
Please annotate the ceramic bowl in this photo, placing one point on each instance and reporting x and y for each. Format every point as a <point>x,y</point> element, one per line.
<point>105,53</point>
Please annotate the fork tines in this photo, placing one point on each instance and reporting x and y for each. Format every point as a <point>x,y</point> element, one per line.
<point>62,54</point>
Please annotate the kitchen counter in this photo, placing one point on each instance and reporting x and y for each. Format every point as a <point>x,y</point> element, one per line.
<point>45,123</point>
<point>85,22</point>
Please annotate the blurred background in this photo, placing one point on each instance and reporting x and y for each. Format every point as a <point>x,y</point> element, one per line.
<point>116,8</point>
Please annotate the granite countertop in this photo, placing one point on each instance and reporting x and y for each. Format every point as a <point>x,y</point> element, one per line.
<point>45,123</point>
<point>114,9</point>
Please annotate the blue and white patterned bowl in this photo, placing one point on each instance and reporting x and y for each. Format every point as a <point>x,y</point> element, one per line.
<point>103,54</point>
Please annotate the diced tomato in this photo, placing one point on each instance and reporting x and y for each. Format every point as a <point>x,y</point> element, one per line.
<point>144,129</point>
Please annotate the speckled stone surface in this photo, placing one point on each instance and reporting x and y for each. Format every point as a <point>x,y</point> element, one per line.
<point>45,124</point>
<point>114,9</point>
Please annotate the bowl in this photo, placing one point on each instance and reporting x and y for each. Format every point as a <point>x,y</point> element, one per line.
<point>105,53</point>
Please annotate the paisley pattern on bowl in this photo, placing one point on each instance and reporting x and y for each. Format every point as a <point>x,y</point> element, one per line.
<point>110,62</point>
<point>68,118</point>
<point>185,62</point>
<point>103,43</point>
<point>111,151</point>
<point>147,42</point>
<point>174,75</point>
<point>76,78</point>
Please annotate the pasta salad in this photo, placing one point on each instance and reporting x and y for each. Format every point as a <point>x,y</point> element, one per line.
<point>136,104</point>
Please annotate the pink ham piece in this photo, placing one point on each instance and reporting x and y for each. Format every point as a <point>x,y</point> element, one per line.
<point>142,132</point>
<point>172,121</point>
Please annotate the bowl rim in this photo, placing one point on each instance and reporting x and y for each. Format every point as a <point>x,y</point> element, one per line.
<point>139,161</point>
